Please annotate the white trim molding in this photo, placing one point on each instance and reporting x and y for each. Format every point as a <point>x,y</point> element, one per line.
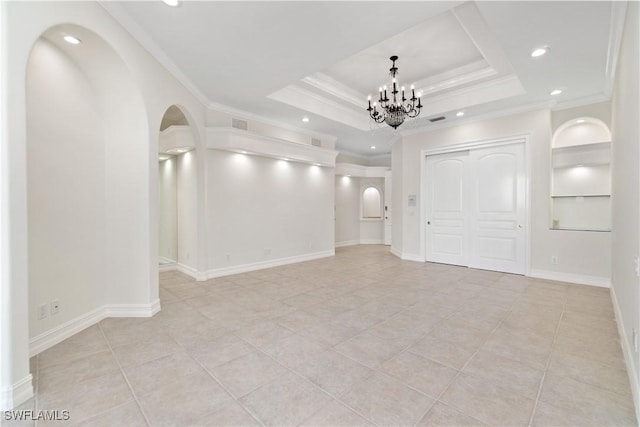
<point>247,142</point>
<point>16,394</point>
<point>132,310</point>
<point>347,243</point>
<point>199,276</point>
<point>243,268</point>
<point>162,268</point>
<point>628,354</point>
<point>61,332</point>
<point>371,242</point>
<point>581,279</point>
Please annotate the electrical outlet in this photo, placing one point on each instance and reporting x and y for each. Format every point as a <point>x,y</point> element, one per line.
<point>636,266</point>
<point>55,307</point>
<point>43,311</point>
<point>554,260</point>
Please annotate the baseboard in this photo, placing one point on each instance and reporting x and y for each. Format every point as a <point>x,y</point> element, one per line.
<point>61,332</point>
<point>162,268</point>
<point>189,271</point>
<point>132,310</point>
<point>371,241</point>
<point>412,257</point>
<point>165,260</point>
<point>628,354</point>
<point>16,394</point>
<point>243,268</point>
<point>603,282</point>
<point>396,252</point>
<point>347,243</point>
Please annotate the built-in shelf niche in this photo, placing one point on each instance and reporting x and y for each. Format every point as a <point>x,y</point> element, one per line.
<point>581,176</point>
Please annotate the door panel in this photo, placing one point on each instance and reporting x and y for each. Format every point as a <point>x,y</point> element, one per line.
<point>476,208</point>
<point>497,209</point>
<point>447,178</point>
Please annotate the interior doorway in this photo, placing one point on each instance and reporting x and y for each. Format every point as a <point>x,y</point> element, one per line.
<point>176,175</point>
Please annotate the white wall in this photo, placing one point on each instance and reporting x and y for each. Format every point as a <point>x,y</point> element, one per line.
<point>66,189</point>
<point>260,210</point>
<point>626,189</point>
<point>167,207</point>
<point>187,219</point>
<point>347,201</point>
<point>582,256</point>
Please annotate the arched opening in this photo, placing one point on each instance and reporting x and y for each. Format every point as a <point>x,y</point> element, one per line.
<point>177,193</point>
<point>88,176</point>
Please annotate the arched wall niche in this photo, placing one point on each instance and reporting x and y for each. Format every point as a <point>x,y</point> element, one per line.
<point>88,180</point>
<point>580,131</point>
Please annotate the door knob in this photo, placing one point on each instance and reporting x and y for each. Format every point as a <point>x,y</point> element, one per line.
<point>519,225</point>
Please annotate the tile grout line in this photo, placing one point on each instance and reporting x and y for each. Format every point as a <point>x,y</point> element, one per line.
<point>309,382</point>
<point>547,363</point>
<point>124,375</point>
<point>233,397</point>
<point>446,388</point>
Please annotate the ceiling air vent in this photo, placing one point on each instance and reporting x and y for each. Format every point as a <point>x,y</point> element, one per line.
<point>437,119</point>
<point>239,124</point>
<point>316,142</point>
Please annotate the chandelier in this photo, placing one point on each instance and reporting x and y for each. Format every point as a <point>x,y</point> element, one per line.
<point>393,111</point>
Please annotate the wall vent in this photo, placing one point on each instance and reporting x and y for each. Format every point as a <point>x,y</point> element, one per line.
<point>437,119</point>
<point>316,142</point>
<point>239,124</point>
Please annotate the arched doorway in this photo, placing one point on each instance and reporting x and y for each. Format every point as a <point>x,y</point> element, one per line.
<point>177,194</point>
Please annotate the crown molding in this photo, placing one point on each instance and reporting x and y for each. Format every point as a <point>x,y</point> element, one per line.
<point>119,15</point>
<point>114,9</point>
<point>616,28</point>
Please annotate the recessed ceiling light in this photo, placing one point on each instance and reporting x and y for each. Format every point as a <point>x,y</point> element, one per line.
<point>286,159</point>
<point>460,113</point>
<point>580,121</point>
<point>539,51</point>
<point>72,40</point>
<point>172,3</point>
<point>373,147</point>
<point>243,152</point>
<point>305,119</point>
<point>555,92</point>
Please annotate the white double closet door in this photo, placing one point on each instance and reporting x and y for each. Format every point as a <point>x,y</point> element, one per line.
<point>476,208</point>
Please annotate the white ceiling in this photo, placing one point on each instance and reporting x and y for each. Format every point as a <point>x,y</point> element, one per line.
<point>285,60</point>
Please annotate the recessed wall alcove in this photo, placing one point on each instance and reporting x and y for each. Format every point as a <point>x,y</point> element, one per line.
<point>581,176</point>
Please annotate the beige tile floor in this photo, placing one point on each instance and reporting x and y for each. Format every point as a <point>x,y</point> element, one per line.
<point>361,338</point>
